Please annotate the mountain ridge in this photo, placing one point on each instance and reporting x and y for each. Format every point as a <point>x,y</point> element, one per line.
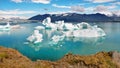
<point>74,17</point>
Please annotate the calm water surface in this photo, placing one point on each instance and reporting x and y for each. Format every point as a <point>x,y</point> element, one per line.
<point>48,50</point>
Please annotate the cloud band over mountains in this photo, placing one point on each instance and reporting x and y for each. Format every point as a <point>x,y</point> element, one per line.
<point>27,8</point>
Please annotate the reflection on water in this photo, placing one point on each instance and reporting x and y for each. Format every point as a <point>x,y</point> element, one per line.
<point>5,32</point>
<point>55,39</point>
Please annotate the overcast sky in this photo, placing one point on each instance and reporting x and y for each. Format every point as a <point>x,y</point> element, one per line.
<point>29,8</point>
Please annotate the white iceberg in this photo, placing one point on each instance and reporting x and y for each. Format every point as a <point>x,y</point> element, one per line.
<point>5,27</point>
<point>39,27</point>
<point>36,37</point>
<point>68,33</point>
<point>57,38</point>
<point>48,24</point>
<point>46,21</point>
<point>68,26</point>
<point>60,25</point>
<point>73,30</point>
<point>85,30</point>
<point>84,25</point>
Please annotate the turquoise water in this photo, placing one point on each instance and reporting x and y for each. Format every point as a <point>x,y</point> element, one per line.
<point>47,50</point>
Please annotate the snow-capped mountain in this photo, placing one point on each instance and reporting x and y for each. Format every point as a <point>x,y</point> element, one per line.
<point>74,17</point>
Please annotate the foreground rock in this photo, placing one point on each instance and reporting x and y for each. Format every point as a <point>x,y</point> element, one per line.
<point>10,58</point>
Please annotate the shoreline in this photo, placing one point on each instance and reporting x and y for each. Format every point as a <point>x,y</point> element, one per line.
<point>11,58</point>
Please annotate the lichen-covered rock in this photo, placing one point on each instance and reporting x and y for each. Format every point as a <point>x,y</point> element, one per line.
<point>10,58</point>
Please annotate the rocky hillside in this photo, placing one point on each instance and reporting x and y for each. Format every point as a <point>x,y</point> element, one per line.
<point>74,17</point>
<point>10,58</point>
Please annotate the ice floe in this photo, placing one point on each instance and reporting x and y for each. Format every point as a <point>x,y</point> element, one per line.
<point>36,37</point>
<point>79,30</point>
<point>39,27</point>
<point>9,27</point>
<point>57,38</point>
<point>6,27</point>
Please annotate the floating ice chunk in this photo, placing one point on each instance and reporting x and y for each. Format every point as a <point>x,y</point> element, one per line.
<point>84,25</point>
<point>48,24</point>
<point>68,26</point>
<point>76,27</point>
<point>89,33</point>
<point>57,38</point>
<point>5,27</point>
<point>100,32</point>
<point>36,37</point>
<point>31,38</point>
<point>46,21</point>
<point>74,30</point>
<point>68,33</point>
<point>51,26</point>
<point>60,25</point>
<point>39,27</point>
<point>85,33</point>
<point>84,30</point>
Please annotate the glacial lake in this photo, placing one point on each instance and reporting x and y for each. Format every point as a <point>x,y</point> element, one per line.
<point>47,50</point>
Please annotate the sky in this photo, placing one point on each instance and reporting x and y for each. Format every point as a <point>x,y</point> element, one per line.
<point>28,8</point>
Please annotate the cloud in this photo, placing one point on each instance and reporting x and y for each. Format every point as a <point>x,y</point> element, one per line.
<point>41,1</point>
<point>61,12</point>
<point>117,12</point>
<point>116,3</point>
<point>13,16</point>
<point>107,10</point>
<point>34,1</point>
<point>100,8</point>
<point>15,13</point>
<point>58,6</point>
<point>17,1</point>
<point>78,8</point>
<point>100,1</point>
<point>72,8</point>
<point>111,13</point>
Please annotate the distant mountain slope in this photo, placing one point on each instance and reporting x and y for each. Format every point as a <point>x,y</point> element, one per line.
<point>74,17</point>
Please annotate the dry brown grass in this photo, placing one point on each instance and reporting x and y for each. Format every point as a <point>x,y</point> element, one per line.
<point>10,58</point>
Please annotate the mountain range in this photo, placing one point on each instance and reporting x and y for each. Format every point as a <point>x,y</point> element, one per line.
<point>74,17</point>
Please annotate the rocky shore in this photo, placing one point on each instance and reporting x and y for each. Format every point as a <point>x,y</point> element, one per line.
<point>10,58</point>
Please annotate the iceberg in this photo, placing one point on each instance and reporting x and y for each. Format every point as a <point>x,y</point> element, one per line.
<point>68,26</point>
<point>59,25</point>
<point>5,27</point>
<point>67,30</point>
<point>36,37</point>
<point>57,38</point>
<point>46,21</point>
<point>68,33</point>
<point>85,30</point>
<point>39,27</point>
<point>48,24</point>
<point>8,27</point>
